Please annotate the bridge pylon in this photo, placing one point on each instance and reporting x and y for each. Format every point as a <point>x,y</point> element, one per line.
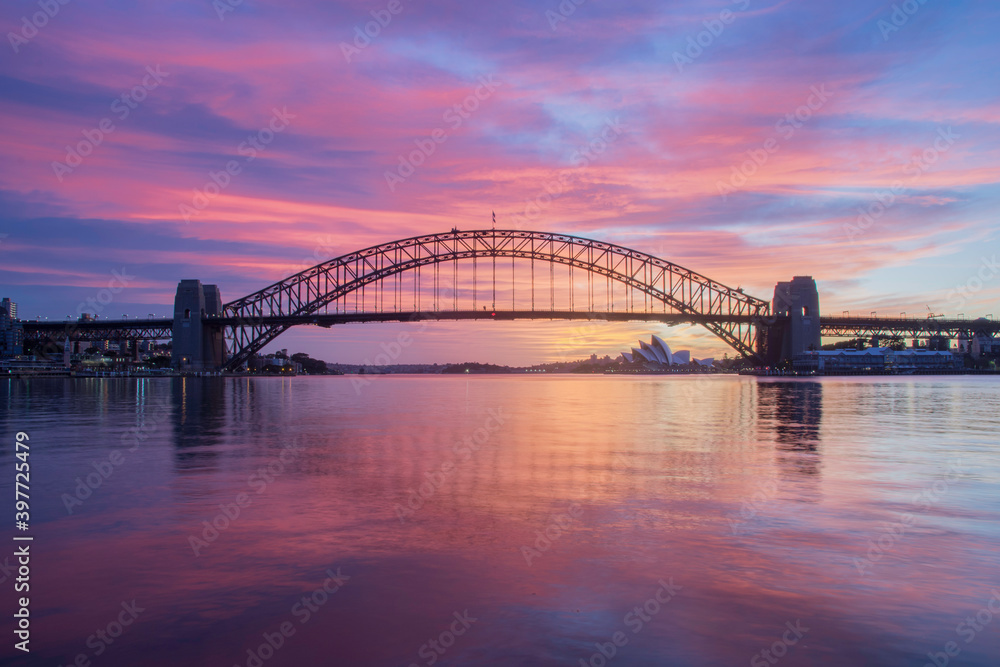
<point>796,302</point>
<point>198,345</point>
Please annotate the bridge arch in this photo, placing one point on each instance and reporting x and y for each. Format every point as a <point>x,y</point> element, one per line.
<point>254,320</point>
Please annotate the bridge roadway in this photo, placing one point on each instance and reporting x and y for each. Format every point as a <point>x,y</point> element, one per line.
<point>844,327</point>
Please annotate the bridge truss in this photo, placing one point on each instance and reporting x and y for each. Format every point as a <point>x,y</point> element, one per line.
<point>886,327</point>
<point>98,330</point>
<point>502,271</point>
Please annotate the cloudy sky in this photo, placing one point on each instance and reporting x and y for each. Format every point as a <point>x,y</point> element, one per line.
<point>748,140</point>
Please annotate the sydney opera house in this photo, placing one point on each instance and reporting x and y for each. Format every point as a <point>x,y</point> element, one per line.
<point>656,354</point>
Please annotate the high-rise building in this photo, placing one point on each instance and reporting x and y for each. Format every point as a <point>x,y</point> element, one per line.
<point>11,331</point>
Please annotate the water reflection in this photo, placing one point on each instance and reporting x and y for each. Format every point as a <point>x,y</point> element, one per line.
<point>660,470</point>
<point>201,419</point>
<point>791,413</point>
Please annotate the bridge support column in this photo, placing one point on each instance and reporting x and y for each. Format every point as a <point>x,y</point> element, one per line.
<point>197,344</point>
<point>798,300</point>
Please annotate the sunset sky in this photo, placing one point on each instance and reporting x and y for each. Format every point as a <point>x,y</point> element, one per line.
<point>902,107</point>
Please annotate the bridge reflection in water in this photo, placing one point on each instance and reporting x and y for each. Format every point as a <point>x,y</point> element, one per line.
<point>793,412</point>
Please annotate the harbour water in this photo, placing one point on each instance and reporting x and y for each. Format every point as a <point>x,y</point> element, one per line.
<point>507,520</point>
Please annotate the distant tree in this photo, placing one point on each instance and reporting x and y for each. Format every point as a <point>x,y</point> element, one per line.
<point>896,343</point>
<point>852,344</point>
<point>310,365</point>
<point>472,367</point>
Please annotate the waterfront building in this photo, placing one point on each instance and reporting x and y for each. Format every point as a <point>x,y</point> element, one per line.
<point>921,360</point>
<point>876,360</point>
<point>657,354</point>
<point>984,347</point>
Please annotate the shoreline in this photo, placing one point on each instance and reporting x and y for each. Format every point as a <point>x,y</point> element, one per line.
<point>749,372</point>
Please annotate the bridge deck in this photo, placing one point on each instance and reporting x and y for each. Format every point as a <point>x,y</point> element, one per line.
<point>161,329</point>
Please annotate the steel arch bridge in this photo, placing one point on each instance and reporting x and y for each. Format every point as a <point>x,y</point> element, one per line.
<point>419,275</point>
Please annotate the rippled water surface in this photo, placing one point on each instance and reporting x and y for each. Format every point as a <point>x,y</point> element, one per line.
<point>510,520</point>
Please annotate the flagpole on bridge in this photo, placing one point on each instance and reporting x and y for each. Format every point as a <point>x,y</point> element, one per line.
<point>494,305</point>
